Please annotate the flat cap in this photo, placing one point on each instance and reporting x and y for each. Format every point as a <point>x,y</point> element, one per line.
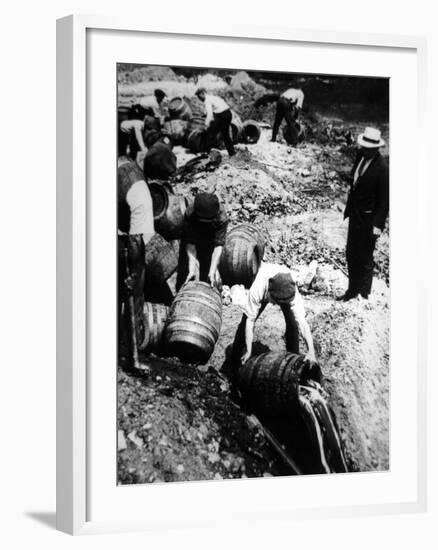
<point>282,288</point>
<point>206,206</point>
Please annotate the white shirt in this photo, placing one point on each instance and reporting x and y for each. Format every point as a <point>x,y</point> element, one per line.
<point>214,105</point>
<point>134,127</point>
<point>258,294</point>
<point>140,204</point>
<point>150,102</point>
<point>361,168</point>
<point>294,95</point>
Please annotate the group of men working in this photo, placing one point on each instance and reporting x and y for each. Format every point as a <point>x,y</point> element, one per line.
<point>144,127</point>
<point>205,229</point>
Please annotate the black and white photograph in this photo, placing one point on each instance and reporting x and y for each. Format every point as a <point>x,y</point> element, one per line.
<point>253,288</point>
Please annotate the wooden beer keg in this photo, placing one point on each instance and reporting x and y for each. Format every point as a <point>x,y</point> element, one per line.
<point>194,322</point>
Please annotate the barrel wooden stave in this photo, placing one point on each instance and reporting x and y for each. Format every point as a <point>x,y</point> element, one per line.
<point>270,382</point>
<point>170,224</point>
<point>176,130</point>
<point>155,316</point>
<point>169,210</point>
<point>179,109</point>
<point>269,385</point>
<point>160,258</point>
<point>242,255</point>
<point>160,198</point>
<point>194,322</point>
<point>250,131</point>
<point>196,140</point>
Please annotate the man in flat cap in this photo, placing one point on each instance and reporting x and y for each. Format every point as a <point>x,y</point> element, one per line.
<point>274,284</point>
<point>204,234</point>
<point>155,105</point>
<point>218,119</point>
<point>367,209</point>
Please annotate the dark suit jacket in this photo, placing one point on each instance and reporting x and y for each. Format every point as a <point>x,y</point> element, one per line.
<point>369,197</point>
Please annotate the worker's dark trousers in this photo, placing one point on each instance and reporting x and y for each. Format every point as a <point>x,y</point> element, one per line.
<point>360,249</point>
<point>220,124</point>
<point>285,110</point>
<point>203,255</point>
<point>135,246</point>
<point>124,141</point>
<point>291,337</point>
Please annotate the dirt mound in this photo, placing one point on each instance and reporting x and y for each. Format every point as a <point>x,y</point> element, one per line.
<point>179,423</point>
<point>352,345</point>
<point>128,75</point>
<point>211,82</point>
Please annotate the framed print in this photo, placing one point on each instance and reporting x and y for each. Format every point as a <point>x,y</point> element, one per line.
<point>239,337</point>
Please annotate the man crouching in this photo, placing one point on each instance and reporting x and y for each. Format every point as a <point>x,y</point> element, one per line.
<point>273,284</point>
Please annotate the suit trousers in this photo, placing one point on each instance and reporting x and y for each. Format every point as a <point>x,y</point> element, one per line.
<point>360,251</point>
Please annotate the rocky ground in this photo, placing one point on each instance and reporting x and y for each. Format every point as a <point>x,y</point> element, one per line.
<point>179,422</point>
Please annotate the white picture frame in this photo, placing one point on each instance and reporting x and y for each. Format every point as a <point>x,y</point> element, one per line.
<point>73,222</point>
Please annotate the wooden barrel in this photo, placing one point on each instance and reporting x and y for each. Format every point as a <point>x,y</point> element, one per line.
<point>236,128</point>
<point>196,140</point>
<point>176,130</point>
<point>269,382</point>
<point>160,258</point>
<point>250,131</point>
<point>155,316</point>
<point>194,323</point>
<point>242,255</point>
<point>170,223</point>
<point>178,108</point>
<point>293,134</point>
<point>160,198</point>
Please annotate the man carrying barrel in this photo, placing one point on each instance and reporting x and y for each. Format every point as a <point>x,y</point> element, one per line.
<point>218,120</point>
<point>204,234</point>
<point>273,284</point>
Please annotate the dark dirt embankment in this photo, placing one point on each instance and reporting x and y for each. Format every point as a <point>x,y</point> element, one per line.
<point>179,423</point>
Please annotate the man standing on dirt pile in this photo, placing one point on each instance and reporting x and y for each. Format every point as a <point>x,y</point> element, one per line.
<point>203,239</point>
<point>367,209</point>
<point>273,284</point>
<point>218,120</point>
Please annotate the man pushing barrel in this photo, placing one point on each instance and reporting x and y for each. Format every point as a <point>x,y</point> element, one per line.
<point>273,284</point>
<point>204,233</point>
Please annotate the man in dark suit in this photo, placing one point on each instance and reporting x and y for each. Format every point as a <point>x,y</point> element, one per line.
<point>367,209</point>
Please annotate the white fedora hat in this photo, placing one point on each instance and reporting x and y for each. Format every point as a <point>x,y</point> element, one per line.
<point>370,138</point>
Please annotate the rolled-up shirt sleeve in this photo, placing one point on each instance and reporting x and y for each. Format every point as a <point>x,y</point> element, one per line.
<point>220,234</point>
<point>255,299</point>
<point>140,203</point>
<point>209,110</point>
<point>297,308</point>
